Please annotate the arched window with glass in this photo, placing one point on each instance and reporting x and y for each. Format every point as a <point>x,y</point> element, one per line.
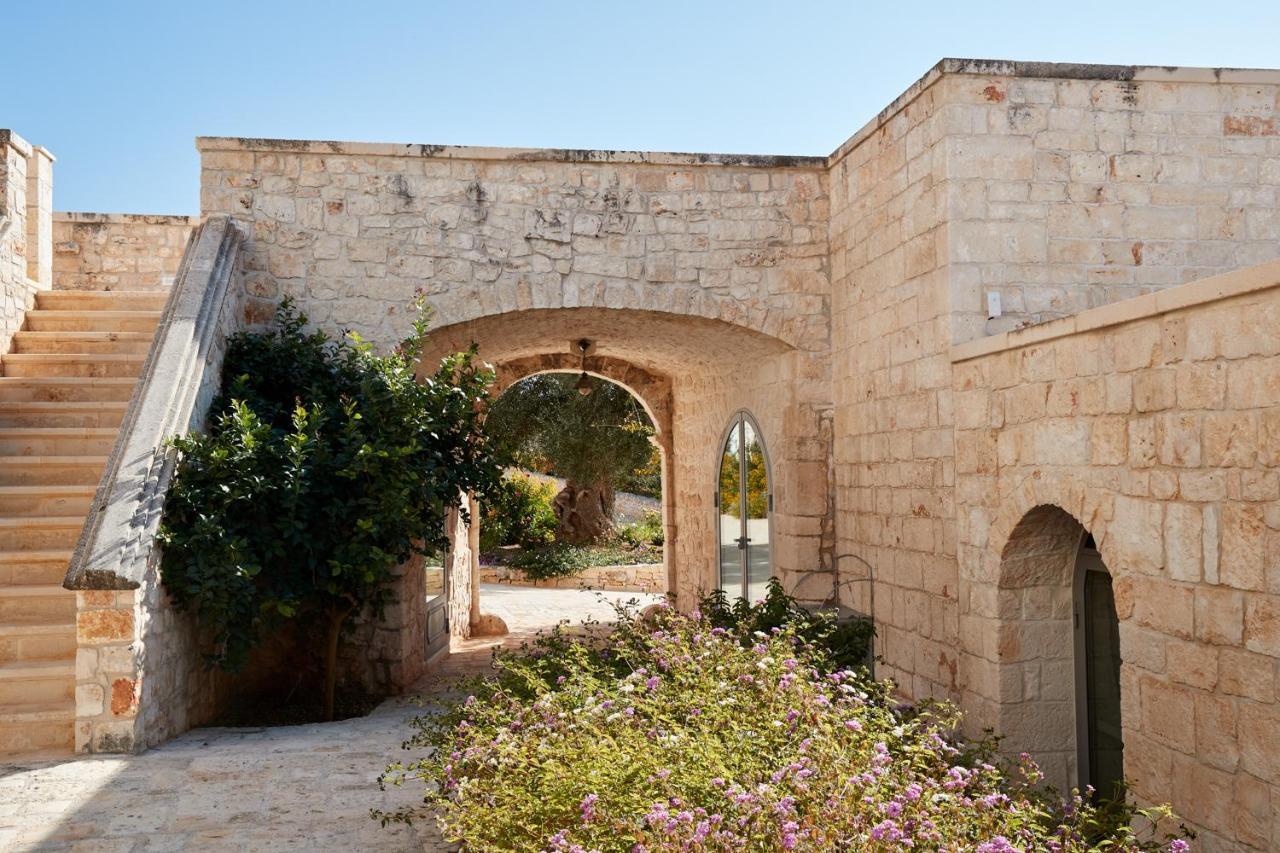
<point>744,507</point>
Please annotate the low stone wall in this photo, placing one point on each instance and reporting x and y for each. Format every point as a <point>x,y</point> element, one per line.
<point>1154,425</point>
<point>641,577</point>
<point>118,251</point>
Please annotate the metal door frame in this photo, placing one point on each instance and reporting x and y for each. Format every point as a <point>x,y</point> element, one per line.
<point>740,419</point>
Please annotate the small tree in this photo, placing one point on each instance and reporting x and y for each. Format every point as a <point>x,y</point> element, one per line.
<point>326,467</point>
<point>592,440</point>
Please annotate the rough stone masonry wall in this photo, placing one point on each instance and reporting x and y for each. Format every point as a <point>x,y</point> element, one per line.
<point>26,205</point>
<point>1066,194</point>
<point>13,234</point>
<point>118,251</point>
<point>894,468</point>
<point>1155,423</point>
<point>352,230</point>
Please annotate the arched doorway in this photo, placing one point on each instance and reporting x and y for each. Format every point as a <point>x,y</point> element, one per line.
<point>744,505</point>
<point>1058,651</point>
<point>1099,739</point>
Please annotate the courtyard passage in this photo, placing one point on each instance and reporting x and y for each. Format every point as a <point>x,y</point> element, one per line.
<point>288,788</point>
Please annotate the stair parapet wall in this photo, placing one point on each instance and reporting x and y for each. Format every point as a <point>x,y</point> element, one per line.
<point>139,678</point>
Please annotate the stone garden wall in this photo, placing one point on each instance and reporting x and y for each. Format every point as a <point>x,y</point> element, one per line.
<point>1155,425</point>
<point>118,251</point>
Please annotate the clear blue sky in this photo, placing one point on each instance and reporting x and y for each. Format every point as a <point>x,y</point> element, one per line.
<point>118,90</point>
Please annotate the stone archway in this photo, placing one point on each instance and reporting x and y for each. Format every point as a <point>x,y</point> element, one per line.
<point>691,373</point>
<point>1035,650</point>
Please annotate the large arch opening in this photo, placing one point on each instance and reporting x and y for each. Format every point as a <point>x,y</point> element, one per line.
<point>1059,653</point>
<point>691,373</point>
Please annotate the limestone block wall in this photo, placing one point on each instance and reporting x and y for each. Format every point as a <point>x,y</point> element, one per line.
<point>26,205</point>
<point>13,232</point>
<point>1155,424</point>
<point>894,458</point>
<point>1072,187</point>
<point>1055,187</point>
<point>118,251</point>
<point>737,243</point>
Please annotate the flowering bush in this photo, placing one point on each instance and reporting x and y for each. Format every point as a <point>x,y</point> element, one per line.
<point>675,734</point>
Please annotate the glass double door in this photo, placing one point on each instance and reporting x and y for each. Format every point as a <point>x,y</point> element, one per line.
<point>744,502</point>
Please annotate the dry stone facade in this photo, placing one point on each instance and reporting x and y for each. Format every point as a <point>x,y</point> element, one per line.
<point>935,462</point>
<point>26,246</point>
<point>118,251</point>
<point>707,270</point>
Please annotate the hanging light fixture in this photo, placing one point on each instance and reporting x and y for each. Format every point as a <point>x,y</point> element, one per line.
<point>583,385</point>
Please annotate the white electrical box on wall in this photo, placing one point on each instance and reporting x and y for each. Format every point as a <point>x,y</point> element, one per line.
<point>993,305</point>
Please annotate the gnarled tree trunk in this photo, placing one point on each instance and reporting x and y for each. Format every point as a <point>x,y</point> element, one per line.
<point>585,513</point>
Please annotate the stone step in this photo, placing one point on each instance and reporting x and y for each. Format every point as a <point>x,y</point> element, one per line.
<point>38,641</point>
<point>51,470</point>
<point>33,568</point>
<point>92,321</point>
<point>35,730</point>
<point>40,533</point>
<point>46,500</point>
<point>57,414</point>
<point>57,441</point>
<point>30,604</point>
<point>101,300</point>
<point>72,364</point>
<point>83,342</point>
<point>36,683</point>
<point>76,389</point>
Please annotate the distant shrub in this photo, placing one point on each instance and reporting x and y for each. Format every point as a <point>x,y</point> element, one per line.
<point>646,531</point>
<point>519,513</point>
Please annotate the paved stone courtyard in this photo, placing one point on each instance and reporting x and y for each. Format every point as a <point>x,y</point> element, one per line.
<point>288,788</point>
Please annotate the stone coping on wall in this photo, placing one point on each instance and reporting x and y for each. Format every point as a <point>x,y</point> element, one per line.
<point>14,141</point>
<point>1216,288</point>
<point>125,218</point>
<point>1052,71</point>
<point>519,155</point>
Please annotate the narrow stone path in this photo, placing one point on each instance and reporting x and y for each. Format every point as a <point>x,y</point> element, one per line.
<point>276,789</point>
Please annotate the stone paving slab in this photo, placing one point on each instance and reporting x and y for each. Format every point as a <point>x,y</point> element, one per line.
<point>274,789</point>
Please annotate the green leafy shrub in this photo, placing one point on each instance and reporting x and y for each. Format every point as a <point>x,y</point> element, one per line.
<point>558,560</point>
<point>673,733</point>
<point>518,512</point>
<point>324,467</point>
<point>647,531</point>
<point>551,561</point>
<point>845,644</point>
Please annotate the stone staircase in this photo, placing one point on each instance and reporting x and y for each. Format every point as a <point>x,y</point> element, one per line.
<point>66,383</point>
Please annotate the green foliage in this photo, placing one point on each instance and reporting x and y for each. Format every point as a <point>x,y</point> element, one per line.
<point>647,531</point>
<point>324,467</point>
<point>551,561</point>
<point>518,512</point>
<point>757,482</point>
<point>845,644</point>
<point>645,480</point>
<point>600,437</point>
<point>673,733</point>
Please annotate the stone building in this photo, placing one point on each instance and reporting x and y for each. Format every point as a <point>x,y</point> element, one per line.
<point>1009,357</point>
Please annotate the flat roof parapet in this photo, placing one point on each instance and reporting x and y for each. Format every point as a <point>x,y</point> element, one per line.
<point>950,65</point>
<point>1054,71</point>
<point>518,155</point>
<point>87,217</point>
